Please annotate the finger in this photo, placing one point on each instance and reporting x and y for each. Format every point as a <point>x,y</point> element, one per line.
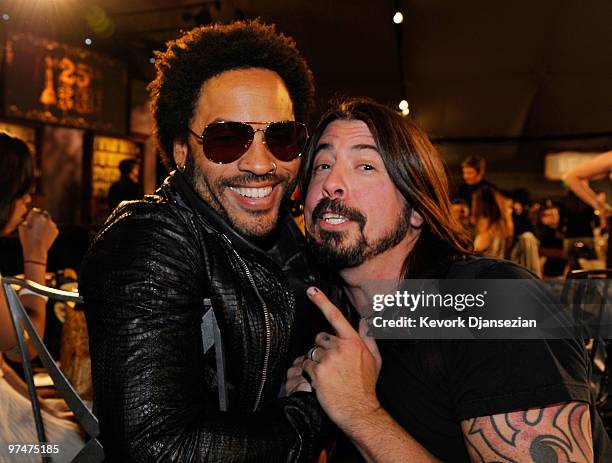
<point>308,367</point>
<point>303,386</point>
<point>324,340</point>
<point>294,372</point>
<point>332,314</point>
<point>316,354</point>
<point>369,341</point>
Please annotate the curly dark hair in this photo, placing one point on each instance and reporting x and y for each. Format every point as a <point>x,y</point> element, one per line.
<point>205,52</point>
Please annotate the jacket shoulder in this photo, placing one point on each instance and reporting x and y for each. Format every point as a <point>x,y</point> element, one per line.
<point>139,240</point>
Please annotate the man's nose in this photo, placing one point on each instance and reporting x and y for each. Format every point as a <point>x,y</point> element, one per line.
<point>335,185</point>
<point>258,159</point>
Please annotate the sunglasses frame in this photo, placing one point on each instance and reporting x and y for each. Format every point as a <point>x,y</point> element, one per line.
<point>247,146</point>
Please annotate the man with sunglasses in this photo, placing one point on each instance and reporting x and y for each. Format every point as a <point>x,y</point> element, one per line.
<point>229,104</point>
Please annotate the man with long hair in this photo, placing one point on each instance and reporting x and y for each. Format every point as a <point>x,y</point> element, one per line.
<point>377,208</point>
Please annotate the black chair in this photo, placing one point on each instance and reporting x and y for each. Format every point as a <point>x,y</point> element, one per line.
<point>92,452</point>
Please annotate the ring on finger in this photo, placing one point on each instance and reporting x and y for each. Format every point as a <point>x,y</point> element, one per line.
<point>312,354</point>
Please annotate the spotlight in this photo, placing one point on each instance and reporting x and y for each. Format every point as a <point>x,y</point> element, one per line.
<point>6,16</point>
<point>403,105</point>
<point>398,18</point>
<point>88,41</point>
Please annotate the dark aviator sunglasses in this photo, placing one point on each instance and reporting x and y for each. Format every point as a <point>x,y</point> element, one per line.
<point>225,141</point>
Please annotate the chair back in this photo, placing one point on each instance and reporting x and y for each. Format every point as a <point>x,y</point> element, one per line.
<point>92,452</point>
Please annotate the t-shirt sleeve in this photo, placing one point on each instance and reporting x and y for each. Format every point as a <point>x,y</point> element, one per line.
<point>500,376</point>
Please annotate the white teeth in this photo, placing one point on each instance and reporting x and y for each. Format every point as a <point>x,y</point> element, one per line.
<point>253,192</point>
<point>334,219</point>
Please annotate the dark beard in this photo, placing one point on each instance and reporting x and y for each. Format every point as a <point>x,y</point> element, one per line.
<point>327,246</point>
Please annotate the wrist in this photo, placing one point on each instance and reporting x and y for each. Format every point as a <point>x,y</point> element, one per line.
<point>360,416</point>
<point>41,263</point>
<point>34,256</point>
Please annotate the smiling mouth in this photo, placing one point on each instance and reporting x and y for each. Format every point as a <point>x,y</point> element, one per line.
<point>334,219</point>
<point>253,193</point>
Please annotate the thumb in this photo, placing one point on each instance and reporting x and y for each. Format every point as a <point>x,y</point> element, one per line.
<point>370,342</point>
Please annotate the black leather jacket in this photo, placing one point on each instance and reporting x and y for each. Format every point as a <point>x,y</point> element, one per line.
<point>144,280</point>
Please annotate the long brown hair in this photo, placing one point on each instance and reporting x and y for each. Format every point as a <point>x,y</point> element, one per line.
<point>418,173</point>
<point>488,204</point>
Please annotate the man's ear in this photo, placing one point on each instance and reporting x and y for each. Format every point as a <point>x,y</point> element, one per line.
<point>179,153</point>
<point>416,220</point>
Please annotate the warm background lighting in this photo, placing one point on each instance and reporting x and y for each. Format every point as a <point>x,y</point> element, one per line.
<point>398,18</point>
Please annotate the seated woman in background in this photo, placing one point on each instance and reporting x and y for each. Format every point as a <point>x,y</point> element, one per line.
<point>37,231</point>
<point>492,220</point>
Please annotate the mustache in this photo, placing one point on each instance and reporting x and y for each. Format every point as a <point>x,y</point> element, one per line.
<point>338,207</point>
<point>250,179</point>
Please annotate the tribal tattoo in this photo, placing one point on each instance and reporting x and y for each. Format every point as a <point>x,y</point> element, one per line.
<point>554,434</point>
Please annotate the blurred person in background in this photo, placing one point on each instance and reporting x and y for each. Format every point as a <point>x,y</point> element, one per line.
<point>520,211</point>
<point>473,170</point>
<point>37,232</point>
<point>577,180</point>
<point>128,186</point>
<point>461,213</point>
<point>553,258</point>
<point>492,220</point>
<point>577,222</point>
<point>36,229</point>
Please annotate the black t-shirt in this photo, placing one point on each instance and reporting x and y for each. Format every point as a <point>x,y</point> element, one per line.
<point>430,386</point>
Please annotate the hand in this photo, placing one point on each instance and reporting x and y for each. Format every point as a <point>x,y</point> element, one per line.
<point>343,368</point>
<point>37,233</point>
<point>295,378</point>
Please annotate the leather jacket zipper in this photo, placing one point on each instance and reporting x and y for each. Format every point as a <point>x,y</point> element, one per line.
<point>266,314</point>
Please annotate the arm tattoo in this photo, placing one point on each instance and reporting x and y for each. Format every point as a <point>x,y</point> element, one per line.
<point>553,434</point>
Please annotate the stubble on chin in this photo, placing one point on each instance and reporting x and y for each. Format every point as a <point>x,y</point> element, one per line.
<point>253,223</point>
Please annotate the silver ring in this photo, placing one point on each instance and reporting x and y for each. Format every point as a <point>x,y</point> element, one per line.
<point>311,354</point>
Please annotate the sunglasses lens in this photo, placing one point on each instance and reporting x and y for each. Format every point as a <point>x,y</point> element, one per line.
<point>286,140</point>
<point>225,142</point>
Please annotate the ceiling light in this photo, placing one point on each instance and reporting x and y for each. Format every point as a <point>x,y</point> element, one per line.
<point>87,41</point>
<point>6,16</point>
<point>398,18</point>
<point>403,105</point>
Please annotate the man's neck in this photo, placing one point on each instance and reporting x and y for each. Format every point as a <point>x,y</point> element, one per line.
<point>386,268</point>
